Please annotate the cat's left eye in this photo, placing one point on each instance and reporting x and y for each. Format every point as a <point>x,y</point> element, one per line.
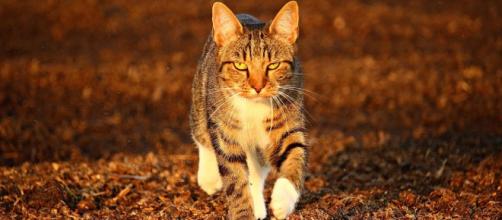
<point>273,66</point>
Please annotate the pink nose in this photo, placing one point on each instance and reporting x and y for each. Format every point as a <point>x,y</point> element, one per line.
<point>257,88</point>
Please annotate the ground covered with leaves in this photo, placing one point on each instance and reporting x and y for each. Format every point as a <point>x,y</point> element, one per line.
<point>404,103</point>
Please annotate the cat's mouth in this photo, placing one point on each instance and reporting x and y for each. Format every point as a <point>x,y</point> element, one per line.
<point>257,97</point>
<point>264,94</point>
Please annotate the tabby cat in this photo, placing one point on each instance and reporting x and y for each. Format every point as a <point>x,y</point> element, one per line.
<point>247,112</point>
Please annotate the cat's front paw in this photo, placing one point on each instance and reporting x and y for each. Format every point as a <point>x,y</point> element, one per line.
<point>284,198</point>
<point>209,182</point>
<point>260,210</point>
<point>208,176</point>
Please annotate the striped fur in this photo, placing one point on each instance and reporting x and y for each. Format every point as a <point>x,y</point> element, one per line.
<point>250,119</point>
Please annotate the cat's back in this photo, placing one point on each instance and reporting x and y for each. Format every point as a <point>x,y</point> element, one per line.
<point>250,21</point>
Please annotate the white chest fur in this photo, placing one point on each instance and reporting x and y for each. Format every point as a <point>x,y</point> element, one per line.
<point>252,115</point>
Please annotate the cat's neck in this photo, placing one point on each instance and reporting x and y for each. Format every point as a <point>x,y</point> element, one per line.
<point>252,113</point>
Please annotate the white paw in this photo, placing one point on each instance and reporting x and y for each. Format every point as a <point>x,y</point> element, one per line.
<point>260,210</point>
<point>284,198</point>
<point>208,176</point>
<point>209,183</point>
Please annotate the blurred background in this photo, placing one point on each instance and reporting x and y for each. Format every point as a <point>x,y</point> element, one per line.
<point>404,107</point>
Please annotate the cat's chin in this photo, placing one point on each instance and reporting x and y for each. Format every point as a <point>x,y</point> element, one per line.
<point>257,98</point>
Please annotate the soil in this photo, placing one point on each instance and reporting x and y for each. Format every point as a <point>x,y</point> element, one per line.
<point>404,102</point>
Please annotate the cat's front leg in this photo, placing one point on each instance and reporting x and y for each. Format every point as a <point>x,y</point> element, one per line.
<point>257,177</point>
<point>290,160</point>
<point>234,172</point>
<point>208,177</point>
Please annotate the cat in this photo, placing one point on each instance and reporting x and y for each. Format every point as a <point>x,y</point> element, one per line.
<point>247,114</point>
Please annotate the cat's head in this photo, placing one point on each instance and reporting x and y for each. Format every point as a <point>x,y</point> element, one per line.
<point>256,60</point>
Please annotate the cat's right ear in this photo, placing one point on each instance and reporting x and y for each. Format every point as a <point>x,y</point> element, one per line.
<point>226,27</point>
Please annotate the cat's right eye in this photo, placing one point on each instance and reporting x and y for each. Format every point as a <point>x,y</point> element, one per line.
<point>240,66</point>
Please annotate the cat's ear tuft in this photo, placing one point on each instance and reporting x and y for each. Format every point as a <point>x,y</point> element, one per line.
<point>285,24</point>
<point>226,27</point>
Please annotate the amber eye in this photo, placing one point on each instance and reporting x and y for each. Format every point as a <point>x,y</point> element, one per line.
<point>240,66</point>
<point>273,66</point>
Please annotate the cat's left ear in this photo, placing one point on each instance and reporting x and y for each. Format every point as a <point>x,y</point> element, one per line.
<point>285,24</point>
<point>226,27</point>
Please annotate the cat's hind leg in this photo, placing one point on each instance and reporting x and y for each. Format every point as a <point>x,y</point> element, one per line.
<point>208,176</point>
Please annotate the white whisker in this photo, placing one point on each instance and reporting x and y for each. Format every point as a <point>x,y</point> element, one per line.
<point>272,118</point>
<point>305,91</point>
<point>299,90</point>
<point>213,91</point>
<point>282,109</point>
<point>228,99</point>
<point>295,104</point>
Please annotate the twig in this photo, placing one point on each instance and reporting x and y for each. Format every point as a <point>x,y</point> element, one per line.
<point>136,177</point>
<point>121,195</point>
<point>439,173</point>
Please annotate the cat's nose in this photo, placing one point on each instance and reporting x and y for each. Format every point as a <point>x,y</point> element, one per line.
<point>257,82</point>
<point>257,88</point>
